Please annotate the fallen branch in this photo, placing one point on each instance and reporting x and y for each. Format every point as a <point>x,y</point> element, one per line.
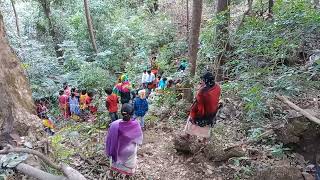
<point>30,151</point>
<point>69,172</point>
<point>297,108</point>
<point>258,138</point>
<point>37,173</point>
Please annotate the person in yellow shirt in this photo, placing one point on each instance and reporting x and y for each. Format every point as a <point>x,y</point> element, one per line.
<point>82,100</point>
<point>48,125</point>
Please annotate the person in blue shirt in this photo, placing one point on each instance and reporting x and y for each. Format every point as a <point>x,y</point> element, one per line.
<point>140,107</point>
<point>183,65</point>
<point>162,84</point>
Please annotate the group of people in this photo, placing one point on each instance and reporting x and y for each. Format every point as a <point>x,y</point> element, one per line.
<point>124,136</point>
<point>76,105</point>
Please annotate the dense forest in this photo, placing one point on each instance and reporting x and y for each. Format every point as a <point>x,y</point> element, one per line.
<point>63,61</point>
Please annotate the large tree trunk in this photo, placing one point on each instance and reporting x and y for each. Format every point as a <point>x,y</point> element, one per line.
<point>52,30</point>
<point>194,34</point>
<point>16,17</point>
<point>90,26</point>
<point>16,105</point>
<point>222,37</point>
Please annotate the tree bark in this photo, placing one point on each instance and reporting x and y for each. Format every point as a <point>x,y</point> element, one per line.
<point>194,34</point>
<point>188,20</point>
<point>16,105</point>
<point>222,37</point>
<point>52,31</point>
<point>90,26</point>
<point>316,3</point>
<point>249,11</point>
<point>16,17</point>
<point>270,6</point>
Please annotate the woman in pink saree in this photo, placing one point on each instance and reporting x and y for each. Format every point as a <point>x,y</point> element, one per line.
<point>122,142</point>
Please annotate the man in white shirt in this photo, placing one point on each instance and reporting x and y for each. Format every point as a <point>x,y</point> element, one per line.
<point>150,77</point>
<point>144,79</point>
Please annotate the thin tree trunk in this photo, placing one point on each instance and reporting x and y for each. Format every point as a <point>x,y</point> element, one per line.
<point>52,31</point>
<point>316,3</point>
<point>270,6</point>
<point>188,20</point>
<point>222,37</point>
<point>16,17</point>
<point>194,34</point>
<point>249,11</point>
<point>90,26</point>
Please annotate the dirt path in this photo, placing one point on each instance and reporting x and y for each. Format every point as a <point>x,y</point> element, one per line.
<point>157,159</point>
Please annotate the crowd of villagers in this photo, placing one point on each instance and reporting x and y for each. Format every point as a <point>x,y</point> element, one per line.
<point>126,133</point>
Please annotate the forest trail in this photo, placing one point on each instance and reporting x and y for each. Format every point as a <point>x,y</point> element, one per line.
<point>158,159</point>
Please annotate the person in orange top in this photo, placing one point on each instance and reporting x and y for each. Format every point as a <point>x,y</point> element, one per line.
<point>204,109</point>
<point>112,104</point>
<point>82,100</point>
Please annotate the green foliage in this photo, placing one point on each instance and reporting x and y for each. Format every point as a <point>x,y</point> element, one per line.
<point>60,151</point>
<point>278,151</point>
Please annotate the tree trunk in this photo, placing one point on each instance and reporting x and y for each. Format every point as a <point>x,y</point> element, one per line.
<point>16,105</point>
<point>16,17</point>
<point>52,31</point>
<point>90,26</point>
<point>222,37</point>
<point>194,34</point>
<point>188,20</point>
<point>316,3</point>
<point>250,2</point>
<point>270,6</point>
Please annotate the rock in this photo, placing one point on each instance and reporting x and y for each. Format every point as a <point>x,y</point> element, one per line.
<point>279,173</point>
<point>216,152</point>
<point>307,176</point>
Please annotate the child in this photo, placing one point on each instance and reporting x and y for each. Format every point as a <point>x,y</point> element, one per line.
<point>82,100</point>
<point>92,108</point>
<point>141,107</point>
<point>74,106</point>
<point>163,83</point>
<point>48,125</point>
<point>112,104</point>
<point>64,104</point>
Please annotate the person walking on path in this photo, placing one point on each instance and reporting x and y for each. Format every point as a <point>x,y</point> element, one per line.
<point>121,142</point>
<point>112,104</point>
<point>141,107</point>
<point>204,109</point>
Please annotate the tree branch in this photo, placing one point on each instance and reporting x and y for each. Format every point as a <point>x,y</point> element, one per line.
<point>30,151</point>
<point>37,173</point>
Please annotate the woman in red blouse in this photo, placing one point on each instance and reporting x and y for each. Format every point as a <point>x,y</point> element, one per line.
<point>204,109</point>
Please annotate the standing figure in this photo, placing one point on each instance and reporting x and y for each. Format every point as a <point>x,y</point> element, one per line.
<point>74,106</point>
<point>122,142</point>
<point>67,89</point>
<point>125,90</point>
<point>144,79</point>
<point>64,104</point>
<point>183,65</point>
<point>112,104</point>
<point>204,109</point>
<point>140,107</point>
<point>150,82</point>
